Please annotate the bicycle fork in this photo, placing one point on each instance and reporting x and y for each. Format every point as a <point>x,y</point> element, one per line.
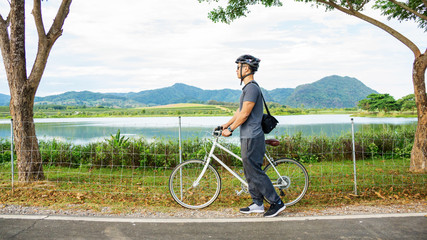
<point>207,162</point>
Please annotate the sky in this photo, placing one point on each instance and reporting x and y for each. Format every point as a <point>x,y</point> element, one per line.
<point>108,46</point>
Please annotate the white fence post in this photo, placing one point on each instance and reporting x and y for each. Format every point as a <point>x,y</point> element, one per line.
<point>180,154</point>
<point>354,157</point>
<point>180,146</point>
<point>11,149</point>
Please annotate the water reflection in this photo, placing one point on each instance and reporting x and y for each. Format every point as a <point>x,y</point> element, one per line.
<point>84,130</point>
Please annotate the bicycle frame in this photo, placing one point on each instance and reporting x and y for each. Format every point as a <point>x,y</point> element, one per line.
<point>213,156</point>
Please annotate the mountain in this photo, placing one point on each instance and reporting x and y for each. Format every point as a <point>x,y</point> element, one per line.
<point>181,93</point>
<point>280,95</point>
<point>329,92</point>
<point>87,98</point>
<point>4,100</point>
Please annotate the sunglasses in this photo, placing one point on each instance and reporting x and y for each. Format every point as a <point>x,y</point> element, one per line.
<point>238,67</point>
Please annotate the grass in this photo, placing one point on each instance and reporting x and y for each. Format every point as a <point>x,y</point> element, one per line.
<point>129,189</point>
<point>404,114</point>
<point>186,109</point>
<point>130,175</point>
<point>182,109</point>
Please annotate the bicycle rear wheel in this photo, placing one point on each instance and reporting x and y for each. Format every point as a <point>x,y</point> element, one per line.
<point>292,184</point>
<point>183,191</point>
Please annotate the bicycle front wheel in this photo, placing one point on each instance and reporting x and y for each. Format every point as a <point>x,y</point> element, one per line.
<point>187,192</point>
<point>290,180</point>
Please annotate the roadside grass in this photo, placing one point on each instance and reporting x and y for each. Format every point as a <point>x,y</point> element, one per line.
<point>127,190</point>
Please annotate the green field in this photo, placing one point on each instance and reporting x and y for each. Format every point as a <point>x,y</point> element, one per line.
<point>186,109</point>
<point>124,188</point>
<point>53,111</point>
<point>127,175</point>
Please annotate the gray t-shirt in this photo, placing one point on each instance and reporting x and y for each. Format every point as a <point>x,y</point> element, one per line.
<point>252,127</point>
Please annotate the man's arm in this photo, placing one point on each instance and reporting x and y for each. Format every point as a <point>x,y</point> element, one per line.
<point>224,126</point>
<point>239,118</point>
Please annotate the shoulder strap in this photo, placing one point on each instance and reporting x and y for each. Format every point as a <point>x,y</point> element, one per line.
<point>265,104</point>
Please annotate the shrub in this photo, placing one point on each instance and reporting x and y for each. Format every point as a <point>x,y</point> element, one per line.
<point>117,151</point>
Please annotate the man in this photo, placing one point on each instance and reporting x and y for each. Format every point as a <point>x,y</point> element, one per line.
<point>248,117</point>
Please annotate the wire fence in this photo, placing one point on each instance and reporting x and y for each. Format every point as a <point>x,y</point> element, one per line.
<point>139,163</point>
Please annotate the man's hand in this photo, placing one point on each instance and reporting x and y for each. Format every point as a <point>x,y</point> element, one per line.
<point>226,133</point>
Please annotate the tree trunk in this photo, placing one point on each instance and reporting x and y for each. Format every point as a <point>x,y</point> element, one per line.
<point>30,166</point>
<point>22,88</point>
<point>419,150</point>
<point>22,98</point>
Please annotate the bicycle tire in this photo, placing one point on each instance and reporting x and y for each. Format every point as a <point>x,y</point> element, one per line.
<point>294,174</point>
<point>182,179</point>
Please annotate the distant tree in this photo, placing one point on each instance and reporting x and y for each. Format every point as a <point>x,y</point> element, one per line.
<point>387,103</point>
<point>213,102</point>
<point>379,102</point>
<point>407,103</point>
<point>274,105</point>
<point>364,104</point>
<point>410,10</point>
<point>23,87</point>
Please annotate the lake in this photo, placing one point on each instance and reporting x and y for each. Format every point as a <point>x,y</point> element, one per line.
<point>84,130</point>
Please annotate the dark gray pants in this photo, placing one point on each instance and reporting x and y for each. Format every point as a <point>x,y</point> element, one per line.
<point>260,185</point>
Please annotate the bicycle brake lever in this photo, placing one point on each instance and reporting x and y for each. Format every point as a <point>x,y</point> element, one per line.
<point>218,128</point>
<point>217,132</point>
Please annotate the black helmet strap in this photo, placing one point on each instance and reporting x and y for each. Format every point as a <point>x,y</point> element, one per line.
<point>243,77</point>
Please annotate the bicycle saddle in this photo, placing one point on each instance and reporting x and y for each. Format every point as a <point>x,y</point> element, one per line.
<point>272,142</point>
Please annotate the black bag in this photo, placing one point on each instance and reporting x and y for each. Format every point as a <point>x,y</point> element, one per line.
<point>268,122</point>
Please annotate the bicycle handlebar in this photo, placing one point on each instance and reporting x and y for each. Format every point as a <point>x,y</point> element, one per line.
<point>217,132</point>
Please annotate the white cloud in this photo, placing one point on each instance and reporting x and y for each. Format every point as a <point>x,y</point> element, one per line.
<point>112,46</point>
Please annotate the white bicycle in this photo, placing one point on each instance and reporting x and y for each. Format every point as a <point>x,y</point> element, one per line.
<point>196,184</point>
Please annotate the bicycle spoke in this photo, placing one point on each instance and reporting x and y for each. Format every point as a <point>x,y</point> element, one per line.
<point>292,183</point>
<point>182,181</point>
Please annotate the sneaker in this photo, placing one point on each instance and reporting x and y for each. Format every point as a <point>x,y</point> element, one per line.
<point>275,209</point>
<point>253,209</point>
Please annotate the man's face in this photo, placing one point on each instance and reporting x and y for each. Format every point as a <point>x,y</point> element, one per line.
<point>242,70</point>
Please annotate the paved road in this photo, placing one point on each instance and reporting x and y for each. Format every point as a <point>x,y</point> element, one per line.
<point>391,226</point>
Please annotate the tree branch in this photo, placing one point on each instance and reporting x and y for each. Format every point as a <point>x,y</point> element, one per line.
<point>377,23</point>
<point>350,6</point>
<point>5,40</point>
<point>4,36</point>
<point>7,20</point>
<point>425,2</point>
<point>37,13</point>
<point>362,5</point>
<point>46,45</point>
<point>55,30</point>
<point>400,4</point>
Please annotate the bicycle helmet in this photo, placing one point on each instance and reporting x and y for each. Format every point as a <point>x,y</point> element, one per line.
<point>250,60</point>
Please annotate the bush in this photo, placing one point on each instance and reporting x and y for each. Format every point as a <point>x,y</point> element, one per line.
<point>377,141</point>
<point>4,151</point>
<point>117,151</point>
